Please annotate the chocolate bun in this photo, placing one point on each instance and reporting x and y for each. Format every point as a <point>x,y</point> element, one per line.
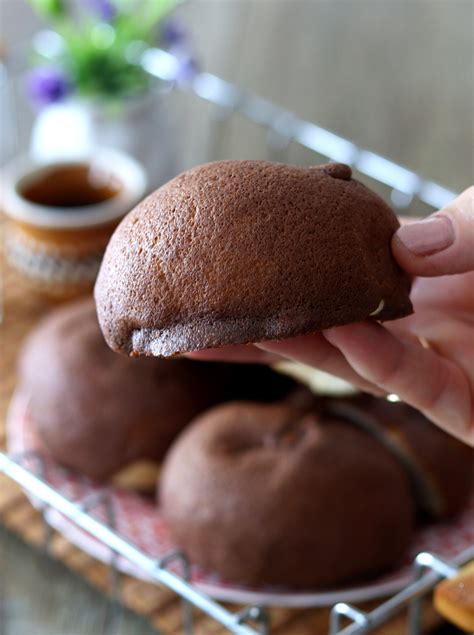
<point>274,495</point>
<point>97,412</point>
<point>440,466</point>
<point>243,251</point>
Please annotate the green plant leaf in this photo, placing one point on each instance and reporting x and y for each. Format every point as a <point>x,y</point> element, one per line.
<point>96,53</point>
<point>49,8</point>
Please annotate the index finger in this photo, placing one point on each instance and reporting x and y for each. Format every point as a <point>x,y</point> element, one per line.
<point>419,376</point>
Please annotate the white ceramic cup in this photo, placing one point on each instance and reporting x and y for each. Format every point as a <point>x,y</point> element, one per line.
<point>59,249</point>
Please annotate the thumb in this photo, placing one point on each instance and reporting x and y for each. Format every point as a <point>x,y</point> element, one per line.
<point>441,244</point>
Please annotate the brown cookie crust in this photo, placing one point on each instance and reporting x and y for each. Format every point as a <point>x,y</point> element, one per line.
<point>241,251</point>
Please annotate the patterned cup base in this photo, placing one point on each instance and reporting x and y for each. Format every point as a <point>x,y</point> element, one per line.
<point>50,268</point>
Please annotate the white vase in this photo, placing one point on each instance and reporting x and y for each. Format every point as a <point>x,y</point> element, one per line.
<point>139,127</point>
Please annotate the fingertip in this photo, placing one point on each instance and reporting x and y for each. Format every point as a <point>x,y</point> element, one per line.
<point>440,244</point>
<point>416,246</point>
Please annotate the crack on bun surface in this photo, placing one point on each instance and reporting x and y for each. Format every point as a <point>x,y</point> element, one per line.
<point>269,495</point>
<point>307,496</point>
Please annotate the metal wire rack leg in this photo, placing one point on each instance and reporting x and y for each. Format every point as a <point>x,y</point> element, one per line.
<point>364,622</point>
<point>114,573</point>
<point>340,610</point>
<point>104,500</point>
<point>47,529</point>
<point>426,561</point>
<point>256,614</point>
<point>186,607</point>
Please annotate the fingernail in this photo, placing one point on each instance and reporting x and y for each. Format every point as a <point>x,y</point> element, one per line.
<point>427,237</point>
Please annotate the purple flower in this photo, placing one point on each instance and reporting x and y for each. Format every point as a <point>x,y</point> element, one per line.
<point>47,85</point>
<point>105,9</point>
<point>172,33</point>
<point>188,68</point>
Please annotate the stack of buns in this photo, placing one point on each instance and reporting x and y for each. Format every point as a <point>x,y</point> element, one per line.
<point>263,482</point>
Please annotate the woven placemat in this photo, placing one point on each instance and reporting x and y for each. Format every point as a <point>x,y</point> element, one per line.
<point>21,309</point>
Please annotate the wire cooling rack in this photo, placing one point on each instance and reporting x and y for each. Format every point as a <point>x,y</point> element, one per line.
<point>28,471</point>
<point>283,128</point>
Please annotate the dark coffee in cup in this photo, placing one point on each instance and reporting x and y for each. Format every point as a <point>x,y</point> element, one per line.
<point>69,185</point>
<point>60,215</point>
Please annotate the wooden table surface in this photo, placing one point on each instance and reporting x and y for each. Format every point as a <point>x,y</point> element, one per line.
<point>40,595</point>
<point>395,76</point>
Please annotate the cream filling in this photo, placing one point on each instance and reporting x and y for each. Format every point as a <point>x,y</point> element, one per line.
<point>379,309</point>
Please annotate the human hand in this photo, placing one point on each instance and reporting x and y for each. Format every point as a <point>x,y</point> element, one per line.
<point>427,358</point>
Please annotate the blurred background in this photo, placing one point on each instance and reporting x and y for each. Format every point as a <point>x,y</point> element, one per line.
<point>78,76</point>
<point>393,76</point>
